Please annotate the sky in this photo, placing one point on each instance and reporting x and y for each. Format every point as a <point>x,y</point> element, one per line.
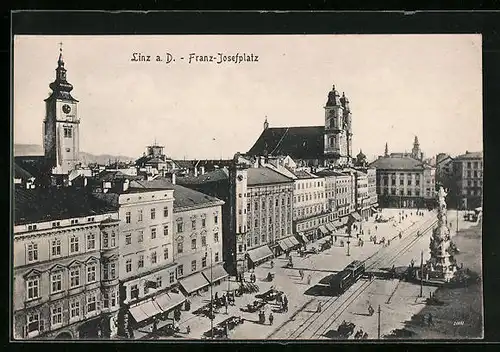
<point>398,86</point>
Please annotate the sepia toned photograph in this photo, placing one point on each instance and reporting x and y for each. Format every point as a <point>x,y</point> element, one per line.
<point>247,187</point>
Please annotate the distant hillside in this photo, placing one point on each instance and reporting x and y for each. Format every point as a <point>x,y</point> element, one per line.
<point>87,158</point>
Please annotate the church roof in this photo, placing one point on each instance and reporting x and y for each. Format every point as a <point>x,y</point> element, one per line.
<point>297,142</point>
<point>398,163</point>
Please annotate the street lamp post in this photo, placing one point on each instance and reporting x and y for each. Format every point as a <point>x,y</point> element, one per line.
<point>211,296</point>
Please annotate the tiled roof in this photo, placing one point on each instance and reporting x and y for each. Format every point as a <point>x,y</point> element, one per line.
<point>301,174</point>
<point>398,163</point>
<point>46,204</point>
<point>264,175</point>
<point>324,173</point>
<point>297,142</point>
<point>183,197</point>
<point>115,175</point>
<point>212,176</point>
<point>470,155</point>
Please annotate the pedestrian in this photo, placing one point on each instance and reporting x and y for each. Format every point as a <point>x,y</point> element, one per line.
<point>318,310</point>
<point>216,296</point>
<point>429,320</point>
<point>272,264</point>
<point>376,227</point>
<point>188,330</point>
<point>412,263</point>
<point>285,302</point>
<point>271,318</point>
<point>309,279</point>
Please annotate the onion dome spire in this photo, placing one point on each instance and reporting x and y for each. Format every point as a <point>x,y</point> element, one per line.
<point>333,97</point>
<point>61,88</point>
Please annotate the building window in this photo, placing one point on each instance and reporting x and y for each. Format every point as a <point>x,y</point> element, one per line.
<point>74,245</point>
<point>105,299</point>
<point>216,256</point>
<point>203,241</point>
<point>91,273</point>
<point>90,241</point>
<point>180,270</point>
<point>91,303</point>
<point>193,243</point>
<point>140,262</point>
<point>74,309</point>
<point>193,265</point>
<point>216,237</point>
<point>153,213</point>
<point>57,315</point>
<point>112,271</point>
<point>153,233</point>
<point>128,239</point>
<point>180,227</point>
<point>56,224</point>
<point>158,282</point>
<point>33,322</point>
<point>203,223</point>
<point>56,282</point>
<point>127,217</point>
<point>139,215</point>
<point>140,237</point>
<point>113,299</point>
<point>32,252</point>
<point>113,239</point>
<point>180,247</point>
<point>134,292</point>
<point>56,248</point>
<point>165,253</point>
<point>74,277</point>
<point>153,257</point>
<point>33,286</point>
<point>165,212</point>
<point>128,265</point>
<point>165,230</point>
<point>68,132</point>
<point>263,238</point>
<point>203,262</point>
<point>216,219</point>
<point>172,277</point>
<point>193,224</point>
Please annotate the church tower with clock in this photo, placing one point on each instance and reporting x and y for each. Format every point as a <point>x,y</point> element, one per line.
<point>61,125</point>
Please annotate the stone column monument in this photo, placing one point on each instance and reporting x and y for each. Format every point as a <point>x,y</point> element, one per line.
<point>442,265</point>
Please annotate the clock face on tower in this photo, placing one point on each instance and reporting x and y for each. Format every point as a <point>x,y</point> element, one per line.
<point>66,108</point>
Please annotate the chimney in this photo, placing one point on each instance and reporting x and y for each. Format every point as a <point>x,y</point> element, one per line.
<point>173,178</point>
<point>202,170</point>
<point>195,171</point>
<point>125,185</point>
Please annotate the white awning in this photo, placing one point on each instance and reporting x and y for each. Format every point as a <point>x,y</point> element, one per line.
<point>323,230</point>
<point>330,227</point>
<point>144,310</point>
<point>169,300</point>
<point>260,253</point>
<point>217,273</point>
<point>193,282</point>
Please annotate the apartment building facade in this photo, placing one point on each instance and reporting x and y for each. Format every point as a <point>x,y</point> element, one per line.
<point>65,265</point>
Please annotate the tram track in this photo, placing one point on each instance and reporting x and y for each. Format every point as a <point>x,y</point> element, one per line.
<point>333,314</point>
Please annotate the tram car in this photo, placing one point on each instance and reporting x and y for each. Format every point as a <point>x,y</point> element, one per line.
<point>347,277</point>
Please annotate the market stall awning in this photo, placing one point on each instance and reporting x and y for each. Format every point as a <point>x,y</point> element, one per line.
<point>288,242</point>
<point>260,253</point>
<point>193,282</point>
<point>169,300</point>
<point>355,216</point>
<point>294,241</point>
<point>283,245</point>
<point>330,227</point>
<point>323,230</point>
<point>216,273</point>
<point>144,310</point>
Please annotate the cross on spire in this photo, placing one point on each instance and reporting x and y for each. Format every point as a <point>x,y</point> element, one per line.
<point>60,46</point>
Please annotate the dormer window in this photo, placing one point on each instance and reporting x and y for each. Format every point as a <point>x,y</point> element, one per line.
<point>31,227</point>
<point>68,132</point>
<point>74,221</point>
